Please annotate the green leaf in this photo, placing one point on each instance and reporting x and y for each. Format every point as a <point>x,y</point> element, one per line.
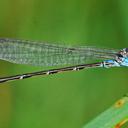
<point>114,117</point>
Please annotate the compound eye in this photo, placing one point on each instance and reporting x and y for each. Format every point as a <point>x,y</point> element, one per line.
<point>126,49</point>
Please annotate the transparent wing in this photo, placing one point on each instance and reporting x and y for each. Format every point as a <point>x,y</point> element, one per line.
<point>43,54</point>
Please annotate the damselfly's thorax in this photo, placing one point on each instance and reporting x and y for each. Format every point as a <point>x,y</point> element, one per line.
<point>122,57</point>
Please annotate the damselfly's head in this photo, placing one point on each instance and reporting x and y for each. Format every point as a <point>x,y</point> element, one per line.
<point>124,52</point>
<point>122,57</point>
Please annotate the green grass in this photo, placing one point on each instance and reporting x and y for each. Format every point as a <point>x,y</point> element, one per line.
<point>114,117</point>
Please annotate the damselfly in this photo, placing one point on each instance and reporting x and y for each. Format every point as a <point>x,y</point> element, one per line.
<point>44,54</point>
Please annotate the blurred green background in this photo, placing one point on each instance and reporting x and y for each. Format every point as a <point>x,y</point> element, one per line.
<point>66,100</point>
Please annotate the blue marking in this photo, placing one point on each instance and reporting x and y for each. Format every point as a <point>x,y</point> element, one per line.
<point>112,62</point>
<point>124,62</point>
